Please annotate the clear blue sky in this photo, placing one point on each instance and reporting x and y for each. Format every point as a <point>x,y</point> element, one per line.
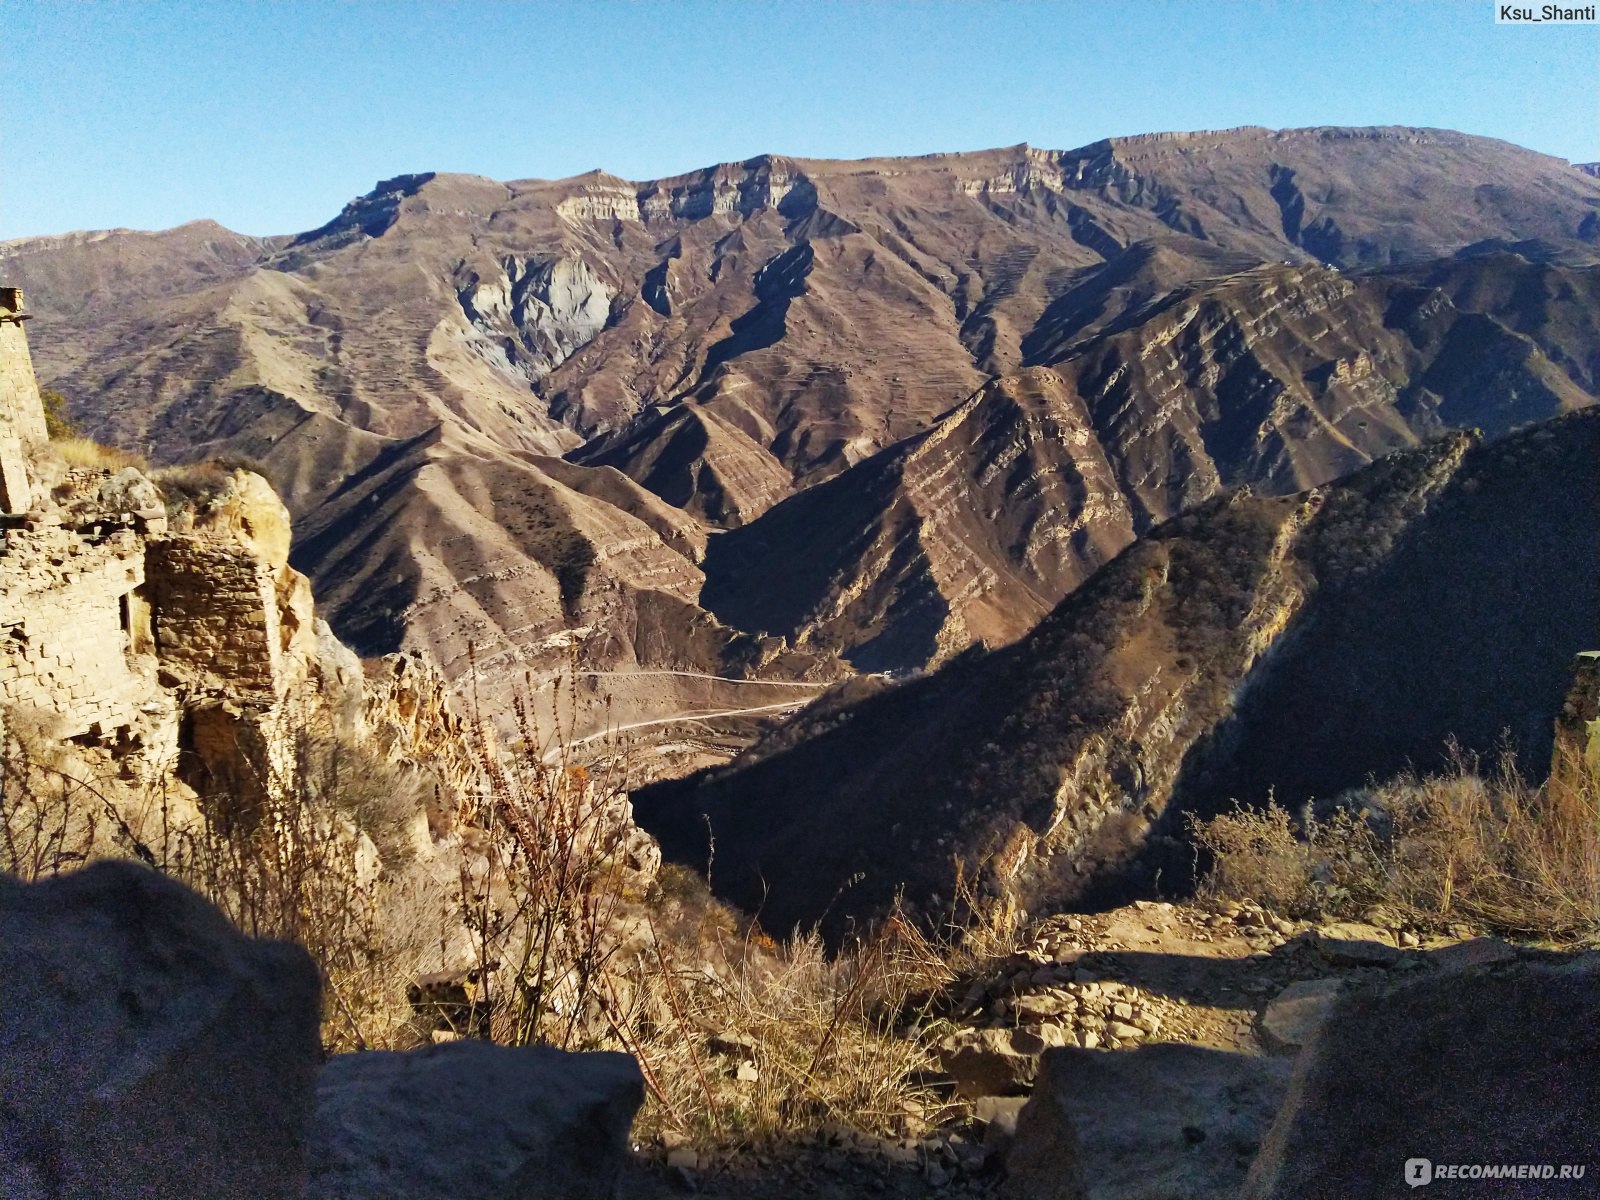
<point>269,116</point>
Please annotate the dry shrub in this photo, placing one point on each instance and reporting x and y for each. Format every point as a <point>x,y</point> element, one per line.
<point>580,942</point>
<point>1460,846</point>
<point>192,486</point>
<point>284,863</point>
<point>745,1041</point>
<point>86,452</point>
<point>47,822</point>
<point>543,885</point>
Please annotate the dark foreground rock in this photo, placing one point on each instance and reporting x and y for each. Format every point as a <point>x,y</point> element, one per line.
<point>1162,1120</point>
<point>468,1119</point>
<point>1479,1067</point>
<point>148,1051</point>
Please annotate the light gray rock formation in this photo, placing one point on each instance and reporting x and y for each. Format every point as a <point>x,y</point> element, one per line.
<point>1294,1014</point>
<point>1483,1067</point>
<point>469,1119</point>
<point>148,1051</point>
<point>1163,1121</point>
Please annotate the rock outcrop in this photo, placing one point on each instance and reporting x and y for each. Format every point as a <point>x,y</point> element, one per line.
<point>1489,1070</point>
<point>150,1051</point>
<point>1159,1120</point>
<point>471,1119</point>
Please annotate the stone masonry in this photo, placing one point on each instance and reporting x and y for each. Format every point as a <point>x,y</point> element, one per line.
<point>183,647</point>
<point>21,411</point>
<point>22,421</point>
<point>216,616</point>
<point>68,616</point>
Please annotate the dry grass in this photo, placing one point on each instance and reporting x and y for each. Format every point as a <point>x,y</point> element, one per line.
<point>1483,849</point>
<point>748,1042</point>
<point>558,923</point>
<point>581,944</point>
<point>85,452</point>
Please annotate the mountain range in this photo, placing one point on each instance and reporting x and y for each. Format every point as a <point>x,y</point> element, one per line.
<point>703,439</point>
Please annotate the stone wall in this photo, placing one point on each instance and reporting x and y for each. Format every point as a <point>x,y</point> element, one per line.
<point>66,606</point>
<point>21,411</point>
<point>216,616</point>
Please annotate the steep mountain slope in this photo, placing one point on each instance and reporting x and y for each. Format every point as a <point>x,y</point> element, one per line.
<point>1280,377</point>
<point>1296,644</point>
<point>735,336</point>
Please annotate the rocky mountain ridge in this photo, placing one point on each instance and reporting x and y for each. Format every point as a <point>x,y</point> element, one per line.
<point>1258,646</point>
<point>630,368</point>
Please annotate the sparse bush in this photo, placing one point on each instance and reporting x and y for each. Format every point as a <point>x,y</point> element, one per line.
<point>1459,846</point>
<point>573,937</point>
<point>58,426</point>
<point>747,1042</point>
<point>192,485</point>
<point>740,1038</point>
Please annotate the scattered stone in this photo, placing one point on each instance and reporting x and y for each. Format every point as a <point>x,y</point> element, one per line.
<point>1034,1005</point>
<point>1349,944</point>
<point>1126,1033</point>
<point>732,1045</point>
<point>683,1158</point>
<point>147,1048</point>
<point>1479,952</point>
<point>993,1062</point>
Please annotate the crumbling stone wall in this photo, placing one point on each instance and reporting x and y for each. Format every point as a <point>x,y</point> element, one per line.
<point>21,410</point>
<point>216,616</point>
<point>66,606</point>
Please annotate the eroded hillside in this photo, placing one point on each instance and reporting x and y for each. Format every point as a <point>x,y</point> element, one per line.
<point>1285,645</point>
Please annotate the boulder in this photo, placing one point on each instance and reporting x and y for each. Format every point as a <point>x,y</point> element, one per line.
<point>148,1050</point>
<point>996,1062</point>
<point>1352,944</point>
<point>1154,1123</point>
<point>1043,1158</point>
<point>467,1118</point>
<point>129,491</point>
<point>1478,952</point>
<point>997,1117</point>
<point>1292,1016</point>
<point>1486,1066</point>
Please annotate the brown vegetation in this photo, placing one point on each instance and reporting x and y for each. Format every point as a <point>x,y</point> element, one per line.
<point>1457,847</point>
<point>86,452</point>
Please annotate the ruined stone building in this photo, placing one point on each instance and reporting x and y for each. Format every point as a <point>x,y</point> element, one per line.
<point>121,629</point>
<point>158,622</point>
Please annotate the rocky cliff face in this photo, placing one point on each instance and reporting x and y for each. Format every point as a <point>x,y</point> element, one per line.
<point>704,349</point>
<point>1259,645</point>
